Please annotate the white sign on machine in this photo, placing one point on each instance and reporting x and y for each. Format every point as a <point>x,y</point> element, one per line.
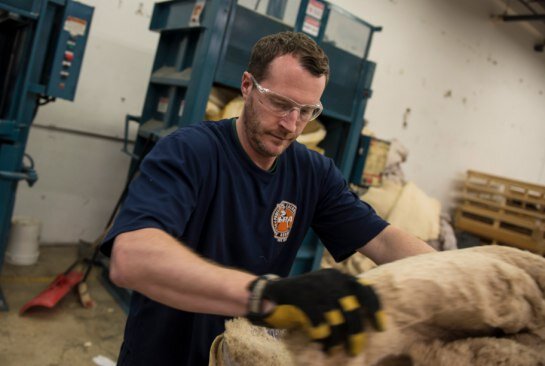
<point>314,14</point>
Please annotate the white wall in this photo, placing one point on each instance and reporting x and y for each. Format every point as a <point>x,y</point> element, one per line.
<point>493,120</point>
<point>475,89</point>
<point>80,178</point>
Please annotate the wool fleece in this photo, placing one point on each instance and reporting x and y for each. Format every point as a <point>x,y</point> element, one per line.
<point>475,306</point>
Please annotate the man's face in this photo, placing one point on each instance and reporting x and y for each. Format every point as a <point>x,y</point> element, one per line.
<point>267,133</point>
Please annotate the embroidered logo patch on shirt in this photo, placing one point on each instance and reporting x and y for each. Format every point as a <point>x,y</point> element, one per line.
<point>282,220</point>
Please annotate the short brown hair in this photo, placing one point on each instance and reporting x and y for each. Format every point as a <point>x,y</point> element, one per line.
<point>310,55</point>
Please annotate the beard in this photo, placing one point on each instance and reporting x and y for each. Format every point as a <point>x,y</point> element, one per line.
<point>256,134</point>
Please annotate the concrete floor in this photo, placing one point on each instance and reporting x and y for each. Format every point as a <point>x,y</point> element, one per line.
<point>68,334</point>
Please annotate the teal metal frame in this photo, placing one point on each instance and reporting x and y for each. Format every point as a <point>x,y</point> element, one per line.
<point>32,75</point>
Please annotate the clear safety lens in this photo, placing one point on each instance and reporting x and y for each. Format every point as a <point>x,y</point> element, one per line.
<point>281,105</point>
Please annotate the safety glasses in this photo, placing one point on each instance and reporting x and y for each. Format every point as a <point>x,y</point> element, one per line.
<point>282,106</point>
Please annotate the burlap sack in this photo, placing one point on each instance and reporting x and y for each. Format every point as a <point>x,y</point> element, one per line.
<point>476,306</point>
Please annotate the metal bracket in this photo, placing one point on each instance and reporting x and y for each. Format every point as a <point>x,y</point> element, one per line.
<point>125,149</point>
<point>27,173</point>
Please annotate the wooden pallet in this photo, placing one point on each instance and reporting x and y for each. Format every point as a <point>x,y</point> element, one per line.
<point>503,210</point>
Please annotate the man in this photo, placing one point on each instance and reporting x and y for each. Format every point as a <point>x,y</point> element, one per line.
<point>218,204</point>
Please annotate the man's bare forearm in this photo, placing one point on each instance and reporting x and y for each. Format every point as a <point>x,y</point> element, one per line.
<point>155,264</point>
<point>393,244</point>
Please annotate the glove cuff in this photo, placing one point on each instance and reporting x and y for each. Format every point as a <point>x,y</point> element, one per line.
<point>255,301</point>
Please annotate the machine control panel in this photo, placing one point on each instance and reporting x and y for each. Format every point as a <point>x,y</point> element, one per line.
<point>66,65</point>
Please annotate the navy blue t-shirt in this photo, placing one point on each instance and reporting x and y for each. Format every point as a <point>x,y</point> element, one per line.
<point>198,185</point>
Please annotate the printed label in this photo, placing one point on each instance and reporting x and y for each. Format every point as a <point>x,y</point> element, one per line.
<point>75,26</point>
<point>311,26</point>
<point>196,14</point>
<point>315,9</point>
<point>162,106</point>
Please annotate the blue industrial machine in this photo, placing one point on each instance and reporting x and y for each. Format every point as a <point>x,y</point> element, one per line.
<point>42,43</point>
<point>208,43</point>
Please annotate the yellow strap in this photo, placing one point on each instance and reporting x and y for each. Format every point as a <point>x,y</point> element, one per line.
<point>349,303</point>
<point>357,343</point>
<point>334,317</point>
<point>322,331</point>
<point>287,317</point>
<point>380,317</point>
<point>290,316</point>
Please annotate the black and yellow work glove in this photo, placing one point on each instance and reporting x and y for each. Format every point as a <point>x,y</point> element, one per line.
<point>330,306</point>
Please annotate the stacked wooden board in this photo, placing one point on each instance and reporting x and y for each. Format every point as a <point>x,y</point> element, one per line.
<point>503,210</point>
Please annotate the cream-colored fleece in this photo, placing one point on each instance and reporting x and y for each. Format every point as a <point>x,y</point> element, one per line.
<point>476,306</point>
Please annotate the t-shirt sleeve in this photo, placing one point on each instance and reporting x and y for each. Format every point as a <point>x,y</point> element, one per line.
<point>163,195</point>
<point>343,222</point>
